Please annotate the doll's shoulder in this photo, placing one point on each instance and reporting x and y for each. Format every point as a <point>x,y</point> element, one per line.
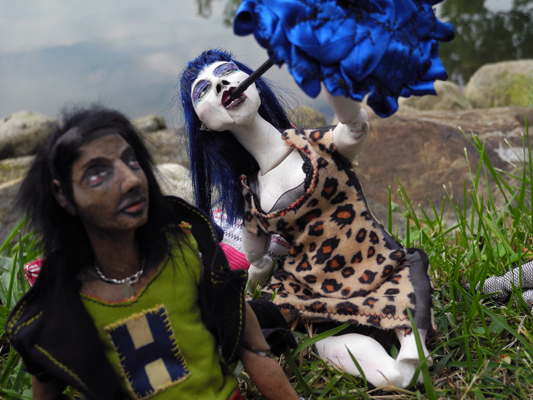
<point>320,139</point>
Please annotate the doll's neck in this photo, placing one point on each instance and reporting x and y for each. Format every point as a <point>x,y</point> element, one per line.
<point>117,255</point>
<point>263,141</point>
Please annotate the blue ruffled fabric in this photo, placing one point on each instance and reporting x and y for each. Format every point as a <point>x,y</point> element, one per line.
<point>384,48</point>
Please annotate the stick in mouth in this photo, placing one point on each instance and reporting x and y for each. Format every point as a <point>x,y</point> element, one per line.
<point>251,79</point>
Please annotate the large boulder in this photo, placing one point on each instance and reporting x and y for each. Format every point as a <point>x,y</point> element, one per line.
<point>22,133</point>
<point>167,146</point>
<point>174,180</point>
<point>13,168</point>
<point>425,151</point>
<point>150,123</point>
<point>8,216</point>
<point>449,97</point>
<point>502,84</point>
<point>164,144</point>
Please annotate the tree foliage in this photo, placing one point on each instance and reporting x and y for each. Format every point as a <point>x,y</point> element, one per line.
<point>483,36</point>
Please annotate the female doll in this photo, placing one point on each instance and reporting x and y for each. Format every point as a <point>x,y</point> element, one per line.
<point>342,265</point>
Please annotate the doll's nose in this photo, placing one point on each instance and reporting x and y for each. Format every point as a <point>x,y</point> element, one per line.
<point>221,85</point>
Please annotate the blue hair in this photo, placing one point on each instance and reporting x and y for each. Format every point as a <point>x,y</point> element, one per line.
<point>217,159</point>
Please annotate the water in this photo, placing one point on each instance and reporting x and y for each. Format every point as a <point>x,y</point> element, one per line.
<point>124,54</point>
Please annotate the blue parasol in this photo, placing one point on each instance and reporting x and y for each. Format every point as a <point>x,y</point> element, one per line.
<point>383,48</point>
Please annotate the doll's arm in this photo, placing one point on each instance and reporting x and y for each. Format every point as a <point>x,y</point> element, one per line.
<point>503,284</point>
<point>264,371</point>
<point>255,250</point>
<point>351,132</point>
<point>47,391</point>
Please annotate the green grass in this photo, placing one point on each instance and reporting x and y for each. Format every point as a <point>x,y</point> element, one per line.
<point>482,350</point>
<point>16,251</point>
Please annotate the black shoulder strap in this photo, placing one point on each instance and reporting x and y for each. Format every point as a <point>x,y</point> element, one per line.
<point>221,291</point>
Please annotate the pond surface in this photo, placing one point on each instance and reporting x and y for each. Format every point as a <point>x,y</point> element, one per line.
<point>128,54</point>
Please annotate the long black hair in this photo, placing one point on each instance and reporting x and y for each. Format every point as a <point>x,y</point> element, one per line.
<point>217,159</point>
<point>66,244</point>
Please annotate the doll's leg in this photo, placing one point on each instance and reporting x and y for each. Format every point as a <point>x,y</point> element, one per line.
<point>408,350</point>
<point>418,267</point>
<point>379,368</point>
<point>264,371</point>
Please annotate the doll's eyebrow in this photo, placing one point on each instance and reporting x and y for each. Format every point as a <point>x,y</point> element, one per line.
<point>219,71</point>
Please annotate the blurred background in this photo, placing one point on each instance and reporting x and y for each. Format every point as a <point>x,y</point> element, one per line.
<point>128,55</point>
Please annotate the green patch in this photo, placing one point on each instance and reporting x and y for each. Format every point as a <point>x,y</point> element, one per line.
<point>511,90</point>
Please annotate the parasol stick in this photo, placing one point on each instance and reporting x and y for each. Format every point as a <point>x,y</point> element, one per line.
<point>252,78</point>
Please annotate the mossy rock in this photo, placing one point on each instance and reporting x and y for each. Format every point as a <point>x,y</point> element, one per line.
<point>504,84</point>
<point>14,168</point>
<point>449,97</point>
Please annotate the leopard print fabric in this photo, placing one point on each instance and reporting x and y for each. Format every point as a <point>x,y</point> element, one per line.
<point>342,265</point>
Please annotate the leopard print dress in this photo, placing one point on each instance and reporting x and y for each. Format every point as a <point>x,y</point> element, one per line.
<point>342,266</point>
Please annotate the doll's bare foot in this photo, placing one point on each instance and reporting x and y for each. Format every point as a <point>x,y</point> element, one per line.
<point>408,350</point>
<point>379,368</point>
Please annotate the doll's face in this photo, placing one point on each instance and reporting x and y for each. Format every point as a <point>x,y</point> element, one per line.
<point>109,186</point>
<point>210,94</point>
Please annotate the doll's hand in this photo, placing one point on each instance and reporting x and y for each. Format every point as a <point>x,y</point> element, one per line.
<point>259,272</point>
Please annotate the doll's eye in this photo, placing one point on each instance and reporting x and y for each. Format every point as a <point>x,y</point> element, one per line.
<point>96,175</point>
<point>134,164</point>
<point>200,90</point>
<point>131,161</point>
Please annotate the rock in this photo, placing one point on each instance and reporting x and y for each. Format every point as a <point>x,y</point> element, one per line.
<point>22,133</point>
<point>167,146</point>
<point>449,97</point>
<point>150,123</point>
<point>306,117</point>
<point>174,180</point>
<point>506,83</point>
<point>425,150</point>
<point>8,217</point>
<point>13,168</point>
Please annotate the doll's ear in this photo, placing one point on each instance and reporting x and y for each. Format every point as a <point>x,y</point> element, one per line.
<point>60,197</point>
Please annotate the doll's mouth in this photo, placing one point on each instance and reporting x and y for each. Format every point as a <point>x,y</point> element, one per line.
<point>230,102</point>
<point>135,205</point>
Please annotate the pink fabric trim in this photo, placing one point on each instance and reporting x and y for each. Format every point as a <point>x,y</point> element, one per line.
<point>237,260</point>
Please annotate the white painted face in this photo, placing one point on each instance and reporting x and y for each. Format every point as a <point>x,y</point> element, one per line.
<point>210,91</point>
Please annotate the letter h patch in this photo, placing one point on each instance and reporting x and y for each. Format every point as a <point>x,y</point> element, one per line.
<point>148,352</point>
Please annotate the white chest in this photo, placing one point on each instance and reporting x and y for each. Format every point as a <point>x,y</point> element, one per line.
<point>284,177</point>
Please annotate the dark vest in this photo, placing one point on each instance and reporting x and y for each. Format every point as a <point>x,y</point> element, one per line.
<point>57,339</point>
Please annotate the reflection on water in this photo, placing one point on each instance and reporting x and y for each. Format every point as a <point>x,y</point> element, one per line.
<point>205,9</point>
<point>128,55</point>
<point>125,55</point>
<point>484,36</point>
